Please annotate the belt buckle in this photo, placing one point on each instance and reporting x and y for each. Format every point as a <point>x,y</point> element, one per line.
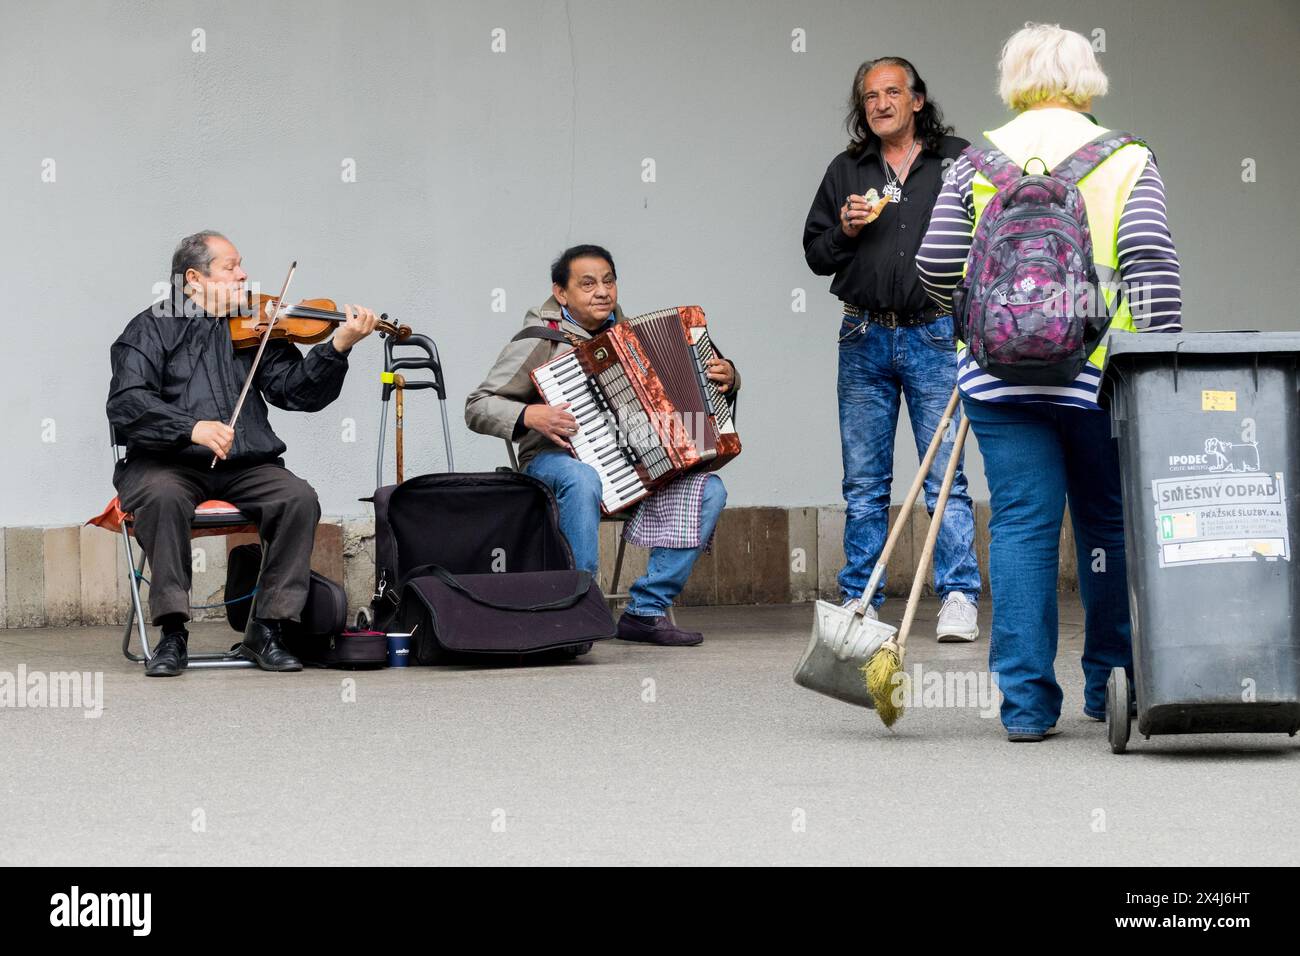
<point>888,319</point>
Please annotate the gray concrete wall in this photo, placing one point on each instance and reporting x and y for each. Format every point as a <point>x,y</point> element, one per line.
<point>473,168</point>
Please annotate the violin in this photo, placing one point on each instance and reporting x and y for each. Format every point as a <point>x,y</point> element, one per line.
<point>308,322</point>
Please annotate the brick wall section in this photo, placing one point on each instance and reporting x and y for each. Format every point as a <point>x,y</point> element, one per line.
<point>78,576</point>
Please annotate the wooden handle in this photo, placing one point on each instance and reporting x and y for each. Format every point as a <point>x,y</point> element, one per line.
<point>936,519</point>
<point>399,383</point>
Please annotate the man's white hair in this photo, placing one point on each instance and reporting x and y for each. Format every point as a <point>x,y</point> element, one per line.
<point>1045,62</point>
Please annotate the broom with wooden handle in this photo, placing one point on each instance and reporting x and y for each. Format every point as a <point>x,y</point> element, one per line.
<point>905,510</point>
<point>844,638</point>
<point>880,672</point>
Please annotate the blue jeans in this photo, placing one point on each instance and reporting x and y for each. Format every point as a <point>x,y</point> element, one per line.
<point>577,491</point>
<point>1037,457</point>
<point>877,365</point>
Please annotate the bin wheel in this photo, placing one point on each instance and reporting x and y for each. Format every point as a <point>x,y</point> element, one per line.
<point>1117,710</point>
<point>363,620</point>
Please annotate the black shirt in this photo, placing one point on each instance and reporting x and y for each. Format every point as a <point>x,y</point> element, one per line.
<point>175,365</point>
<point>877,269</point>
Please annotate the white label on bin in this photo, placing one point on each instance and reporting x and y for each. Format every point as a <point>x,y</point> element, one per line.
<point>1208,519</point>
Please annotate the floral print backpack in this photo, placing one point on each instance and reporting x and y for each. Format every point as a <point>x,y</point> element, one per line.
<point>1030,307</point>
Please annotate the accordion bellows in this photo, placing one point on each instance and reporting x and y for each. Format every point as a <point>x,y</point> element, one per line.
<point>646,411</point>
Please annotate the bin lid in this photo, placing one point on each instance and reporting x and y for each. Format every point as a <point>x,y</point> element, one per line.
<point>1127,347</point>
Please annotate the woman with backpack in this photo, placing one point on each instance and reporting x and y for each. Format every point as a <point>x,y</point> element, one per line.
<point>1026,242</point>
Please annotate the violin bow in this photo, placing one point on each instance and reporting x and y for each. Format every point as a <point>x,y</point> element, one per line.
<point>266,337</point>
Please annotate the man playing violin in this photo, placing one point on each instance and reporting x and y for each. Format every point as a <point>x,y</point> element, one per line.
<point>176,379</point>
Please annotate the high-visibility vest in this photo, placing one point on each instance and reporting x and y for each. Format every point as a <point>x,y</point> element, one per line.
<point>1051,135</point>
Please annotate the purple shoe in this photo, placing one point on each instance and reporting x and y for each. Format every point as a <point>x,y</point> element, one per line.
<point>656,630</point>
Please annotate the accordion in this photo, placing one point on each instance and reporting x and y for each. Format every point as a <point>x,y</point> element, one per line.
<point>646,411</point>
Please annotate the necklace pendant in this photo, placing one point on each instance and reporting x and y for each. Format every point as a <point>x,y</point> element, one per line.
<point>894,192</point>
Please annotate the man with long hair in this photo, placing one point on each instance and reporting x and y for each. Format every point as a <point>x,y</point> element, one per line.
<point>864,228</point>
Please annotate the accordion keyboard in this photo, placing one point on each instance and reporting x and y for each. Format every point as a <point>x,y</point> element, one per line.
<point>704,353</point>
<point>615,436</point>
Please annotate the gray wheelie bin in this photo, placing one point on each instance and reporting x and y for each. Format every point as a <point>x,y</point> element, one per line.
<point>1209,443</point>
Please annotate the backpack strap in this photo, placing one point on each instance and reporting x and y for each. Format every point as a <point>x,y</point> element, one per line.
<point>537,332</point>
<point>1091,155</point>
<point>994,164</point>
<point>582,585</point>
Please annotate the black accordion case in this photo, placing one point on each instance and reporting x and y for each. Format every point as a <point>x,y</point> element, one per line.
<point>475,564</point>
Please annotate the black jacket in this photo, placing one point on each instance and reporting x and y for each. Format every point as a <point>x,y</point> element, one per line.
<point>878,268</point>
<point>172,369</point>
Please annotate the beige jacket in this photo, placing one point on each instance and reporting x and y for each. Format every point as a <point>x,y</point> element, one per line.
<point>495,407</point>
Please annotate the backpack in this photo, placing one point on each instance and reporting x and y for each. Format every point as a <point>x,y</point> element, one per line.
<point>1030,307</point>
<point>324,615</point>
<point>321,638</point>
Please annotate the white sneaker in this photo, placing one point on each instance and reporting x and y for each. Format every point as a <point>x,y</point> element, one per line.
<point>852,605</point>
<point>958,619</point>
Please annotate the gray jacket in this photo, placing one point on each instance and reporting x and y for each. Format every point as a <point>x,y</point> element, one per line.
<point>495,407</point>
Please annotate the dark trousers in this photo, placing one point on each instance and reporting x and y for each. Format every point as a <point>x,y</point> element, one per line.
<point>162,496</point>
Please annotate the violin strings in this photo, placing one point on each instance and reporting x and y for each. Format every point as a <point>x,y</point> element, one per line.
<point>308,312</point>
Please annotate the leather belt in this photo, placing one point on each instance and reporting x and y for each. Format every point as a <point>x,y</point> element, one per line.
<point>895,320</point>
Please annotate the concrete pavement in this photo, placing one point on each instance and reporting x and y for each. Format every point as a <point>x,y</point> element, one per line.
<point>631,755</point>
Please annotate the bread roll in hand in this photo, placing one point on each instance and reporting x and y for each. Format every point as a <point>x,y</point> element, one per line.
<point>875,204</point>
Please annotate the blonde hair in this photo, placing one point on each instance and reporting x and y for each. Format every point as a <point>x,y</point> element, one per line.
<point>1045,62</point>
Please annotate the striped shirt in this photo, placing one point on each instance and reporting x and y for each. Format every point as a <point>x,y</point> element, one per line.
<point>1148,269</point>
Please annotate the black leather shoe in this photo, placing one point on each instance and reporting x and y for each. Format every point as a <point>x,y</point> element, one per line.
<point>169,657</point>
<point>656,630</point>
<point>262,646</point>
<point>1051,731</point>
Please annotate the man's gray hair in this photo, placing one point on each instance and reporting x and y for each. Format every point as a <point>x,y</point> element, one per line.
<point>193,252</point>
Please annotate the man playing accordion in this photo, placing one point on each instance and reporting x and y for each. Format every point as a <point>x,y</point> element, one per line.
<point>676,523</point>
